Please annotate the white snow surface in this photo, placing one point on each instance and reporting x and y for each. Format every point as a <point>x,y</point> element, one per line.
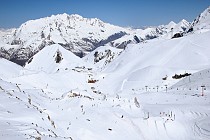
<point>45,60</point>
<point>127,99</point>
<point>113,94</point>
<point>9,69</point>
<point>147,63</point>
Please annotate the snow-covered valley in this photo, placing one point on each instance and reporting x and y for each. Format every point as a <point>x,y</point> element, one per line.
<point>155,89</point>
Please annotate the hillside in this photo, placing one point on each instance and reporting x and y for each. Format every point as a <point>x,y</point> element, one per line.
<point>53,58</point>
<point>153,89</point>
<point>146,64</point>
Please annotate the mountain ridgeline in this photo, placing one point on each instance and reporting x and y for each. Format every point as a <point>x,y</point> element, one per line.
<point>83,35</point>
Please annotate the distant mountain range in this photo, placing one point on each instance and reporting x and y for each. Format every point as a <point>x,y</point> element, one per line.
<point>82,35</point>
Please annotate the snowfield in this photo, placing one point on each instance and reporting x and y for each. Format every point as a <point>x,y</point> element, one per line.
<point>157,89</point>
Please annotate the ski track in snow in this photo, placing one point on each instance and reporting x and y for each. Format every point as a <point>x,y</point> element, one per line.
<point>125,94</point>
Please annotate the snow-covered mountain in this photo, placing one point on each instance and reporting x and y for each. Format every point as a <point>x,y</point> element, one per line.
<point>201,23</point>
<point>148,33</point>
<point>177,27</point>
<point>157,89</point>
<point>75,33</point>
<point>102,56</point>
<point>174,28</point>
<point>53,58</point>
<point>6,33</point>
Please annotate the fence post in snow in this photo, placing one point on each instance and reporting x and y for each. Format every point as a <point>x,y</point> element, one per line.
<point>166,87</point>
<point>202,88</point>
<point>146,87</point>
<point>172,32</point>
<point>157,88</point>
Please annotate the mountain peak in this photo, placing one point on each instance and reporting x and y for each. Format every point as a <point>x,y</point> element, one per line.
<point>66,16</point>
<point>171,24</point>
<point>75,16</point>
<point>183,21</point>
<point>50,54</point>
<point>202,22</point>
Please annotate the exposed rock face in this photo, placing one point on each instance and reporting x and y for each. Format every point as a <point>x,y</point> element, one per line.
<point>177,35</point>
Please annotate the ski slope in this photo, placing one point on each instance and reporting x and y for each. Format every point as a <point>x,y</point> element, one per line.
<point>146,64</point>
<point>111,93</point>
<point>128,100</point>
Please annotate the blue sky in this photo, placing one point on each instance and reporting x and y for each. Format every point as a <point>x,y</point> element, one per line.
<point>135,13</point>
